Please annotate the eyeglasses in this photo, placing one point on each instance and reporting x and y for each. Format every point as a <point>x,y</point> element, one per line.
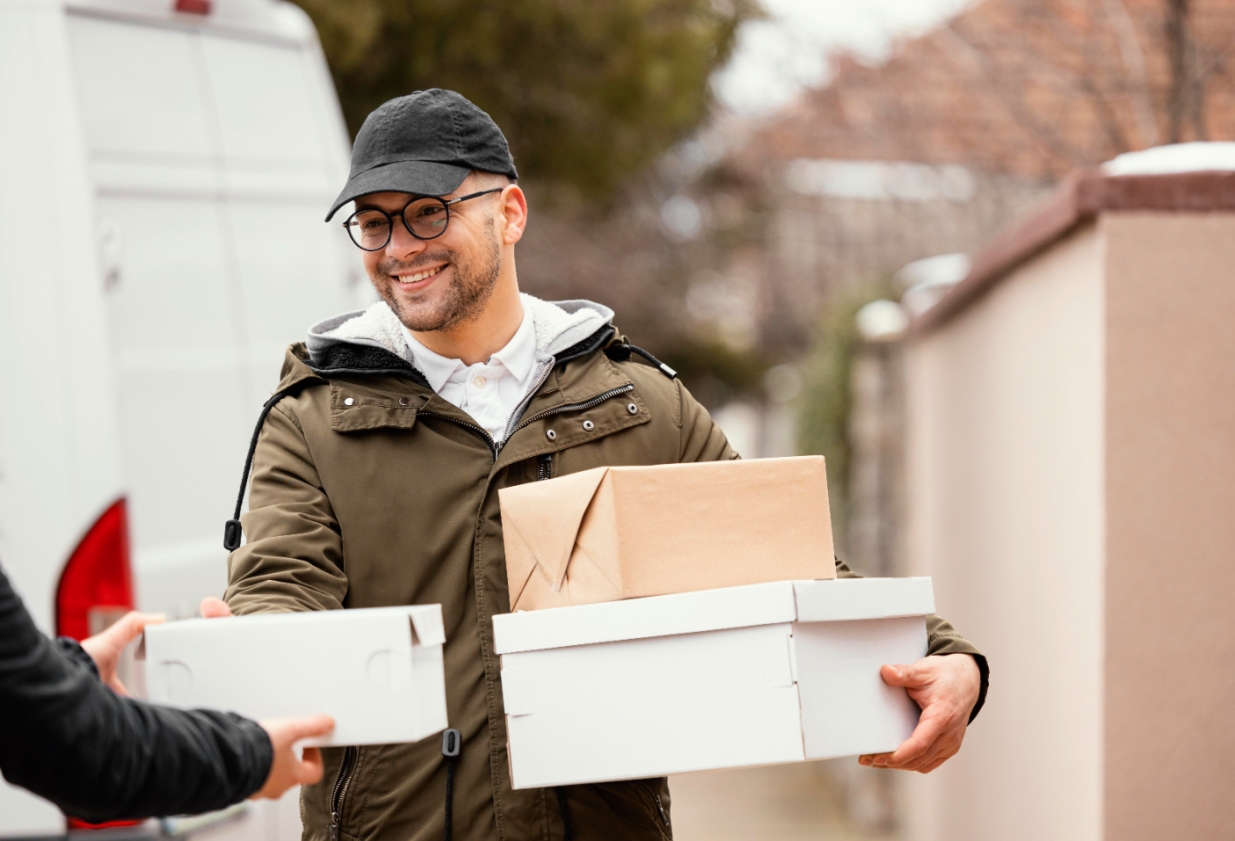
<point>424,218</point>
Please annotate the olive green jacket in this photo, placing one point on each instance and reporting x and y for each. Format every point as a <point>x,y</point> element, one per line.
<point>370,490</point>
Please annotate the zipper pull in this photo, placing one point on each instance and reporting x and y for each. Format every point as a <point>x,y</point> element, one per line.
<point>544,467</point>
<point>334,826</point>
<point>660,807</point>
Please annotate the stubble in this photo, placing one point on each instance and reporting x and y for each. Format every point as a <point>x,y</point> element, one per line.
<point>472,282</point>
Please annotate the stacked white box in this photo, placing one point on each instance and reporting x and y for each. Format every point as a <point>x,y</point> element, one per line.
<point>761,674</point>
<point>377,671</point>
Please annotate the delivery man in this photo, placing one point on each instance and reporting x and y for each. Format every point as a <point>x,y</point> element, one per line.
<point>68,734</point>
<point>376,476</point>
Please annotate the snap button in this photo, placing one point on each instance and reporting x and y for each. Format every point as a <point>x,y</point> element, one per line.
<point>403,401</point>
<point>588,425</point>
<point>632,408</point>
<point>349,401</point>
<point>550,434</point>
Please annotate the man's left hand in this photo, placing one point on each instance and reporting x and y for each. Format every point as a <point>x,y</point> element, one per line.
<point>946,688</point>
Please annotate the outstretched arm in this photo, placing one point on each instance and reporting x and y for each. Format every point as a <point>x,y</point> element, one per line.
<point>98,756</point>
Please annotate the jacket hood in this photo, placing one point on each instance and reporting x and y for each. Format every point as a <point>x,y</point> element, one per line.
<point>558,326</point>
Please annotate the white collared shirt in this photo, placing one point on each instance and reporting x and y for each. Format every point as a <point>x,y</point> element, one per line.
<point>488,391</point>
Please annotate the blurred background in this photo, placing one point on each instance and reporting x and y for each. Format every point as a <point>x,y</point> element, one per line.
<point>740,180</point>
<point>768,192</point>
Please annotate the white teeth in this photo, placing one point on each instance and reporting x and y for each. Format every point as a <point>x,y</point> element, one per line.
<point>412,278</point>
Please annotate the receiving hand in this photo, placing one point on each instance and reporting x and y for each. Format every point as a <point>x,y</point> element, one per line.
<point>287,769</point>
<point>106,647</point>
<point>946,688</point>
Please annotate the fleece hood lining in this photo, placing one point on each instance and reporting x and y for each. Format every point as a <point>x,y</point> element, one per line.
<point>557,325</point>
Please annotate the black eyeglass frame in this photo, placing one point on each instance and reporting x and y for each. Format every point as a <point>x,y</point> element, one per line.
<point>402,214</point>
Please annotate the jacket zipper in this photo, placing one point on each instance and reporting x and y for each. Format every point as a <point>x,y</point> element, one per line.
<point>660,807</point>
<point>576,407</point>
<point>544,467</point>
<point>340,791</point>
<point>495,447</point>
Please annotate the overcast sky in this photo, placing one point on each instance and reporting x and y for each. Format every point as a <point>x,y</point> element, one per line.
<point>776,57</point>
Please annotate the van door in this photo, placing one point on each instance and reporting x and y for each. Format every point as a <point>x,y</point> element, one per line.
<point>214,152</point>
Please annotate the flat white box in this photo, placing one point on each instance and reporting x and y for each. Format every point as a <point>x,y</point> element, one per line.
<point>755,675</point>
<point>377,671</point>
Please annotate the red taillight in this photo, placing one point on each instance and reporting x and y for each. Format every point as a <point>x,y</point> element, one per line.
<point>96,589</point>
<point>74,823</point>
<point>96,586</point>
<point>193,7</point>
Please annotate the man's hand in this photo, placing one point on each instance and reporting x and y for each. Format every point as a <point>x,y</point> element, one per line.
<point>946,688</point>
<point>212,608</point>
<point>288,769</point>
<point>106,647</point>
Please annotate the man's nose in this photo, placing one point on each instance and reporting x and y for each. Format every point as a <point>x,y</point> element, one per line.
<point>402,244</point>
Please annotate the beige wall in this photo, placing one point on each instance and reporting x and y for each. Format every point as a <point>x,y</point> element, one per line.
<point>1006,511</point>
<point>1170,625</point>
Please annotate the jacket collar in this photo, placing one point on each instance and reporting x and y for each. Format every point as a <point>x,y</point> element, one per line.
<point>368,339</point>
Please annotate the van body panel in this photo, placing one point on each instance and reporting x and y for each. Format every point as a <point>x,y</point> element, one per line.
<point>163,178</point>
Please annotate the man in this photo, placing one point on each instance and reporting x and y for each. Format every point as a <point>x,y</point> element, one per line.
<point>68,734</point>
<point>376,475</point>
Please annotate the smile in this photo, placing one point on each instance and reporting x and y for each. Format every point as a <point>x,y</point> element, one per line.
<point>419,276</point>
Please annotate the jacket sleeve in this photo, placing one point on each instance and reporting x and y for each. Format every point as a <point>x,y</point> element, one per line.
<point>702,440</point>
<point>699,439</point>
<point>293,556</point>
<point>68,738</point>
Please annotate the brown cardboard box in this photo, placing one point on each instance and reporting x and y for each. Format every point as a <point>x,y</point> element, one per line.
<point>626,532</point>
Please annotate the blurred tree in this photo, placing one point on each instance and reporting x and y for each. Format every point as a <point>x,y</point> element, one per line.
<point>588,92</point>
<point>825,406</point>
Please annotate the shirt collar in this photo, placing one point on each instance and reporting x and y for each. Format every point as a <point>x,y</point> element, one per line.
<point>518,356</point>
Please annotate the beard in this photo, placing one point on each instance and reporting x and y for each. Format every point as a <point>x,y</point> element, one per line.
<point>472,280</point>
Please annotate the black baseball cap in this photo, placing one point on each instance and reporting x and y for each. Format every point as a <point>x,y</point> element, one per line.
<point>424,143</point>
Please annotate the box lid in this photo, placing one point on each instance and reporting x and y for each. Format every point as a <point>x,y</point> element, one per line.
<point>711,610</point>
<point>426,620</point>
<point>863,598</point>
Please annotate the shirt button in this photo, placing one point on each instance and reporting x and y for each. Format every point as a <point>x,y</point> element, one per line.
<point>480,382</point>
<point>349,401</point>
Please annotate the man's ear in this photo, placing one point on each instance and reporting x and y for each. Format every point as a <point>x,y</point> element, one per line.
<point>513,210</point>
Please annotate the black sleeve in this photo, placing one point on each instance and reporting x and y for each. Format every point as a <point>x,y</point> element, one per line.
<point>66,737</point>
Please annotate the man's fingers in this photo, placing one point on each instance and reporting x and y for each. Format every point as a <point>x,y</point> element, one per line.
<point>212,608</point>
<point>310,770</point>
<point>910,677</point>
<point>918,743</point>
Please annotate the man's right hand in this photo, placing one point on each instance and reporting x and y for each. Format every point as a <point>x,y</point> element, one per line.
<point>212,608</point>
<point>287,769</point>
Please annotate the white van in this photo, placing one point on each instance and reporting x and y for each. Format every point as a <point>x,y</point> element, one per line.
<point>164,169</point>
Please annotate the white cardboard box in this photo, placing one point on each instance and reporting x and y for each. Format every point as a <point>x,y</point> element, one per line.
<point>377,671</point>
<point>755,675</point>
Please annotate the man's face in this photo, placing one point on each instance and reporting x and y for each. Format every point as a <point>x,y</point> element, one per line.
<point>440,283</point>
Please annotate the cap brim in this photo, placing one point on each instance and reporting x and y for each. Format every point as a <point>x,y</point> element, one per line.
<point>423,178</point>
